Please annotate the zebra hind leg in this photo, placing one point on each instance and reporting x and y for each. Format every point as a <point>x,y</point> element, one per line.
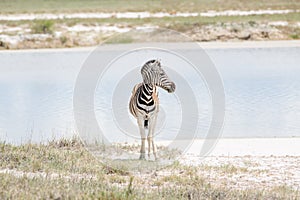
<point>149,146</point>
<point>152,145</point>
<point>142,152</point>
<point>154,149</point>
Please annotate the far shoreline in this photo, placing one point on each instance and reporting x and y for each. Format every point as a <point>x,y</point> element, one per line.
<point>204,45</point>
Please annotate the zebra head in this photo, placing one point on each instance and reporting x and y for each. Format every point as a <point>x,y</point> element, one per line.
<point>153,73</point>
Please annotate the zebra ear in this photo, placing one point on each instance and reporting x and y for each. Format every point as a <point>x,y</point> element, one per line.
<point>158,61</point>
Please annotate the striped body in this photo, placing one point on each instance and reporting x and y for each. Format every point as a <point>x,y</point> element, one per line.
<point>144,101</point>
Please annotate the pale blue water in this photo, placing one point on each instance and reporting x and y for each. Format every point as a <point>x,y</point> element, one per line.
<point>262,88</point>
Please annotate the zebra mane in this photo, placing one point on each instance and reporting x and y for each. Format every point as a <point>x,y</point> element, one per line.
<point>149,64</point>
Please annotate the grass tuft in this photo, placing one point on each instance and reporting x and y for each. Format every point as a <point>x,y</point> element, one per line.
<point>43,26</point>
<point>295,36</point>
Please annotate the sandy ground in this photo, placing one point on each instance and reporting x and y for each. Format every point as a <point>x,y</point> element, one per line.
<point>80,35</point>
<point>244,163</point>
<point>250,171</point>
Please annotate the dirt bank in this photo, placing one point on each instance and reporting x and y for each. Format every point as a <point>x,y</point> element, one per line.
<point>62,35</point>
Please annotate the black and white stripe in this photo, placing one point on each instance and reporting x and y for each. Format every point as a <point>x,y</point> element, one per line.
<point>144,102</point>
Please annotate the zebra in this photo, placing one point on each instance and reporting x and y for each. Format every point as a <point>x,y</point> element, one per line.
<point>144,102</point>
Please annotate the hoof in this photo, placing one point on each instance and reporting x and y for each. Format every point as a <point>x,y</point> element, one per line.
<point>142,157</point>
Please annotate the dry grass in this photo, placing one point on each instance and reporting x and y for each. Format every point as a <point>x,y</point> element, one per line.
<point>65,170</point>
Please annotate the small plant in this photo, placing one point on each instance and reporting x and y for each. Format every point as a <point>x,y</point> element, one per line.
<point>63,39</point>
<point>252,23</point>
<point>294,36</point>
<point>43,26</point>
<point>129,188</point>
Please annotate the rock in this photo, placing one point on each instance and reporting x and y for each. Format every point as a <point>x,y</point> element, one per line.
<point>4,45</point>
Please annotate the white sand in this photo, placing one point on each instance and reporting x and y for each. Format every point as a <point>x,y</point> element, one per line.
<point>251,147</point>
<point>249,163</point>
<point>244,13</point>
<point>134,15</point>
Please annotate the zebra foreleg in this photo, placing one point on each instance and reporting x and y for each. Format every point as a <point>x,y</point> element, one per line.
<point>140,122</point>
<point>152,124</point>
<point>149,146</point>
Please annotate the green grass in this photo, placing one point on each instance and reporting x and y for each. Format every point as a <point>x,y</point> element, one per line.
<point>295,36</point>
<point>81,176</point>
<point>120,39</point>
<point>29,6</point>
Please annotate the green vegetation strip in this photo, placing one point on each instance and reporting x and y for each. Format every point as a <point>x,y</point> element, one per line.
<point>40,6</point>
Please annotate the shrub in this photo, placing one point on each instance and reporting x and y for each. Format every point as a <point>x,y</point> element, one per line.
<point>43,26</point>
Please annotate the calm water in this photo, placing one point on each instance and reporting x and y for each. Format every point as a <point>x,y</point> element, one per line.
<point>262,88</point>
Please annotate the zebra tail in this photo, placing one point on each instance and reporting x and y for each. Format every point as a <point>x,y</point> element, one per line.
<point>146,123</point>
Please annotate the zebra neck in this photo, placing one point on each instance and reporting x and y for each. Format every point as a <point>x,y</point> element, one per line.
<point>148,89</point>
